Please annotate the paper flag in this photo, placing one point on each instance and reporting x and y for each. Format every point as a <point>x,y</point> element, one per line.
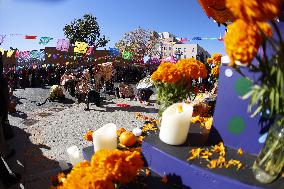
<point>45,40</point>
<point>80,47</point>
<point>2,51</point>
<point>41,55</point>
<point>63,45</point>
<point>183,40</point>
<point>34,54</point>
<point>10,53</point>
<point>113,52</point>
<point>127,55</point>
<point>196,38</point>
<point>17,54</point>
<point>30,37</point>
<point>25,54</point>
<point>90,51</point>
<point>2,37</point>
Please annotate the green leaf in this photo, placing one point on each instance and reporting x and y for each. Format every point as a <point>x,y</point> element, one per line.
<point>276,101</point>
<point>256,111</point>
<point>271,98</point>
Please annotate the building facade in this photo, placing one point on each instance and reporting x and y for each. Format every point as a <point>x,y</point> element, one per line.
<point>190,51</point>
<point>170,46</point>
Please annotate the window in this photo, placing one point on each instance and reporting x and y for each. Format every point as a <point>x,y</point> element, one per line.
<point>170,48</point>
<point>164,48</point>
<point>184,49</point>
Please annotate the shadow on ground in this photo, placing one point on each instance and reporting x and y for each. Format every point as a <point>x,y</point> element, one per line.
<point>29,161</point>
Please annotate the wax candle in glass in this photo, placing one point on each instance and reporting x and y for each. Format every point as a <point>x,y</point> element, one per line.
<point>105,137</point>
<point>175,123</point>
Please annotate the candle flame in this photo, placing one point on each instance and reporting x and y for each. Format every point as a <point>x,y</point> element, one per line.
<point>179,109</point>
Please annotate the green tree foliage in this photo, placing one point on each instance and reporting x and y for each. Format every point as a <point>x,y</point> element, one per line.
<point>87,30</point>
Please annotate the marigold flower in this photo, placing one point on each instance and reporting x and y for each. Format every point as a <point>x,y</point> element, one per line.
<point>89,136</point>
<point>217,10</point>
<point>215,71</point>
<point>192,68</point>
<point>217,59</point>
<point>243,40</point>
<point>254,10</point>
<point>240,152</point>
<point>122,166</point>
<point>84,176</point>
<point>209,60</point>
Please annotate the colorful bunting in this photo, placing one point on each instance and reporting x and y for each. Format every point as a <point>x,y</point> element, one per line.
<point>196,38</point>
<point>127,55</point>
<point>34,54</point>
<point>30,37</point>
<point>17,54</point>
<point>10,53</point>
<point>113,52</point>
<point>80,47</point>
<point>183,40</point>
<point>45,40</point>
<point>2,51</point>
<point>90,51</point>
<point>63,45</point>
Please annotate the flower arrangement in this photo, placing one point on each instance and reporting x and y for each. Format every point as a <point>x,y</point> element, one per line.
<point>174,80</point>
<point>251,32</point>
<point>107,168</point>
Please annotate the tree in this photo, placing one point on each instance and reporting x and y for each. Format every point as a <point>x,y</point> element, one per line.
<point>87,30</point>
<point>139,43</point>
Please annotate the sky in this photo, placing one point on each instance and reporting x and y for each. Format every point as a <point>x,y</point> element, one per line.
<point>183,18</point>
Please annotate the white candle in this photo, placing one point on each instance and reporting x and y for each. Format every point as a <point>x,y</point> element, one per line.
<point>175,123</point>
<point>74,155</point>
<point>137,131</point>
<point>105,137</point>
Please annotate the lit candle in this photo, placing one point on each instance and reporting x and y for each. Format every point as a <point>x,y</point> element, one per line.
<point>105,137</point>
<point>175,123</point>
<point>74,155</point>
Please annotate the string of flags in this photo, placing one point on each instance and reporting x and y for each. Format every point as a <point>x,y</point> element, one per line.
<point>45,40</point>
<point>79,47</point>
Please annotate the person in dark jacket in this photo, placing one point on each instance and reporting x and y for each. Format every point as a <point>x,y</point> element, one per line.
<point>7,177</point>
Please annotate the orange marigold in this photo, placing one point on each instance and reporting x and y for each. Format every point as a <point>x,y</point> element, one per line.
<point>167,72</point>
<point>255,10</point>
<point>217,58</point>
<point>89,136</point>
<point>191,68</point>
<point>215,70</point>
<point>84,176</point>
<point>122,166</point>
<point>217,10</point>
<point>209,60</point>
<point>243,40</point>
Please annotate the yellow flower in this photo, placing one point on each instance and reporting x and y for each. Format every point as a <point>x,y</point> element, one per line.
<point>243,40</point>
<point>89,136</point>
<point>254,10</point>
<point>167,72</point>
<point>217,58</point>
<point>122,166</point>
<point>217,10</point>
<point>209,60</point>
<point>84,176</point>
<point>192,69</point>
<point>215,70</point>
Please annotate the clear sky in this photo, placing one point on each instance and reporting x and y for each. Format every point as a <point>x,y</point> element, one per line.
<point>183,18</point>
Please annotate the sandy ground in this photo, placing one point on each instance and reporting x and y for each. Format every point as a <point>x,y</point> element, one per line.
<point>42,134</point>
